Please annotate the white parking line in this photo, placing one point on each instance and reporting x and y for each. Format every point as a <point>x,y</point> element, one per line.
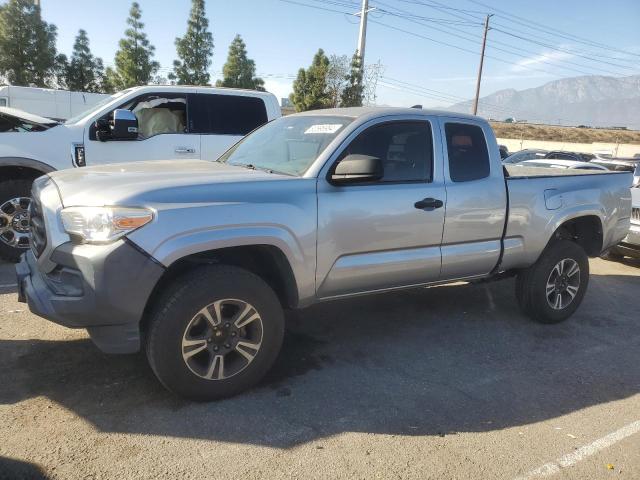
<point>9,285</point>
<point>583,452</point>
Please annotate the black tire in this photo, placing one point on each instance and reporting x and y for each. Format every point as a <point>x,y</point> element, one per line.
<point>12,189</point>
<point>531,283</point>
<point>176,310</point>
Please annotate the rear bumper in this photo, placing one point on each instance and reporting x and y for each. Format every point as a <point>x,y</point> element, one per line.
<point>630,245</point>
<point>101,288</point>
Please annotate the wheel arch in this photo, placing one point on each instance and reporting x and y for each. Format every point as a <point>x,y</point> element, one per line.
<point>586,230</point>
<point>19,168</point>
<point>266,261</point>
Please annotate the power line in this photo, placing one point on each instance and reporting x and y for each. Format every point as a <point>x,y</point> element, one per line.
<point>314,6</point>
<point>439,6</point>
<point>565,35</point>
<point>452,98</point>
<point>526,67</point>
<point>465,36</point>
<point>457,47</point>
<point>546,45</point>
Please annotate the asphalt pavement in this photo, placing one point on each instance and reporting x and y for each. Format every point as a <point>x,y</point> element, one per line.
<point>445,382</point>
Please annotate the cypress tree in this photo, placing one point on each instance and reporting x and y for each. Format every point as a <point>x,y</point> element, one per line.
<point>195,49</point>
<point>84,72</point>
<point>239,71</point>
<point>134,59</point>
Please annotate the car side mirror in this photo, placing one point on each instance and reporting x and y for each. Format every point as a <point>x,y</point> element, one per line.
<point>125,125</point>
<point>358,168</point>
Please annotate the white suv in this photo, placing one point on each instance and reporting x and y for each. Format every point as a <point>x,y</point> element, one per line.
<point>145,123</point>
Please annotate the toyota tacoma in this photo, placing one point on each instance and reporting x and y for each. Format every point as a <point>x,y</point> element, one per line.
<point>195,261</point>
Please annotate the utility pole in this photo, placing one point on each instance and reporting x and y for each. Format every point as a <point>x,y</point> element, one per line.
<point>484,44</point>
<point>362,36</point>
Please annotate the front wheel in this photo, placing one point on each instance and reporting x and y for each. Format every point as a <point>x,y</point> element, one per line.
<point>215,332</point>
<point>552,289</point>
<point>14,218</point>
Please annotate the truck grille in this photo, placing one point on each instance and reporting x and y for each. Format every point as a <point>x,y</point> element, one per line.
<point>635,214</point>
<point>38,230</point>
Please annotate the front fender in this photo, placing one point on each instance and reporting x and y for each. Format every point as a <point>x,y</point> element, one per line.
<point>301,257</point>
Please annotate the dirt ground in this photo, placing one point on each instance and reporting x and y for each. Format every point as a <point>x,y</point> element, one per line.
<point>446,382</point>
<point>564,134</point>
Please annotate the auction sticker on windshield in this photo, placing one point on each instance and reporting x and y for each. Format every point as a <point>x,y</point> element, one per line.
<point>323,128</point>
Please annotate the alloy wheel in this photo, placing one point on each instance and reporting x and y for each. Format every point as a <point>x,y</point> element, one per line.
<point>563,284</point>
<point>222,339</point>
<point>14,222</point>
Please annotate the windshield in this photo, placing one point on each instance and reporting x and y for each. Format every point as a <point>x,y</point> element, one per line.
<point>287,145</point>
<point>96,106</point>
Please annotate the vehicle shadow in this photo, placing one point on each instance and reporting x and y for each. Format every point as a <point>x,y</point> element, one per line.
<point>423,362</point>
<point>12,469</point>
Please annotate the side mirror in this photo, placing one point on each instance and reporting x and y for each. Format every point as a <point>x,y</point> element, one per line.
<point>125,125</point>
<point>103,129</point>
<point>358,168</point>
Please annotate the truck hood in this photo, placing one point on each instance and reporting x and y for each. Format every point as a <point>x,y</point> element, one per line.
<point>13,114</point>
<point>152,182</point>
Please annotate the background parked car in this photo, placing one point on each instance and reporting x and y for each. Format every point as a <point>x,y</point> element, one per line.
<point>161,123</point>
<point>575,156</point>
<point>565,164</point>
<point>526,154</point>
<point>630,245</point>
<point>618,164</point>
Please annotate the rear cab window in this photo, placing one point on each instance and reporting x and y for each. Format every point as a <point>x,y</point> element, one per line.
<point>467,152</point>
<point>225,114</point>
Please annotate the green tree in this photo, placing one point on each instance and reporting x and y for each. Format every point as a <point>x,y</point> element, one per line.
<point>353,93</point>
<point>27,45</point>
<point>84,73</point>
<point>134,58</point>
<point>240,71</point>
<point>310,87</point>
<point>194,49</point>
<point>337,74</point>
<point>60,71</point>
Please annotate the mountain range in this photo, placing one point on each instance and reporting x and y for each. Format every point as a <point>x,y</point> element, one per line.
<point>592,100</point>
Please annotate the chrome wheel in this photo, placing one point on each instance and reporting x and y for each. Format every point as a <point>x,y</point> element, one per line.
<point>14,222</point>
<point>563,284</point>
<point>222,339</point>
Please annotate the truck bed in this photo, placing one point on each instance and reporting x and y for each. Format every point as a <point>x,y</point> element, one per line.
<point>541,199</point>
<point>516,171</point>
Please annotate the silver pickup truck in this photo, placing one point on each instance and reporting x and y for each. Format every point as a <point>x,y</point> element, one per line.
<point>195,261</point>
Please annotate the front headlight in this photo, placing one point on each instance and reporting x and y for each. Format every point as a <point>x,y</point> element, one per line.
<point>103,224</point>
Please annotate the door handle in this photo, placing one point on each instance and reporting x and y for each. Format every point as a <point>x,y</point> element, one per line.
<point>185,150</point>
<point>428,203</point>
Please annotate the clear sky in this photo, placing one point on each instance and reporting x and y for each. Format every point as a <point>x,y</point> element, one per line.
<point>282,37</point>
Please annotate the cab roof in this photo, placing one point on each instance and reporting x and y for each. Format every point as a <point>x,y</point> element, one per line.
<point>357,112</point>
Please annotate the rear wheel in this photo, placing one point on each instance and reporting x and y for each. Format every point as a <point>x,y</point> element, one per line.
<point>215,332</point>
<point>552,289</point>
<point>14,218</point>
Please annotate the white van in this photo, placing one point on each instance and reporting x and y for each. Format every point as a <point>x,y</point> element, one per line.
<point>47,102</point>
<point>162,123</point>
